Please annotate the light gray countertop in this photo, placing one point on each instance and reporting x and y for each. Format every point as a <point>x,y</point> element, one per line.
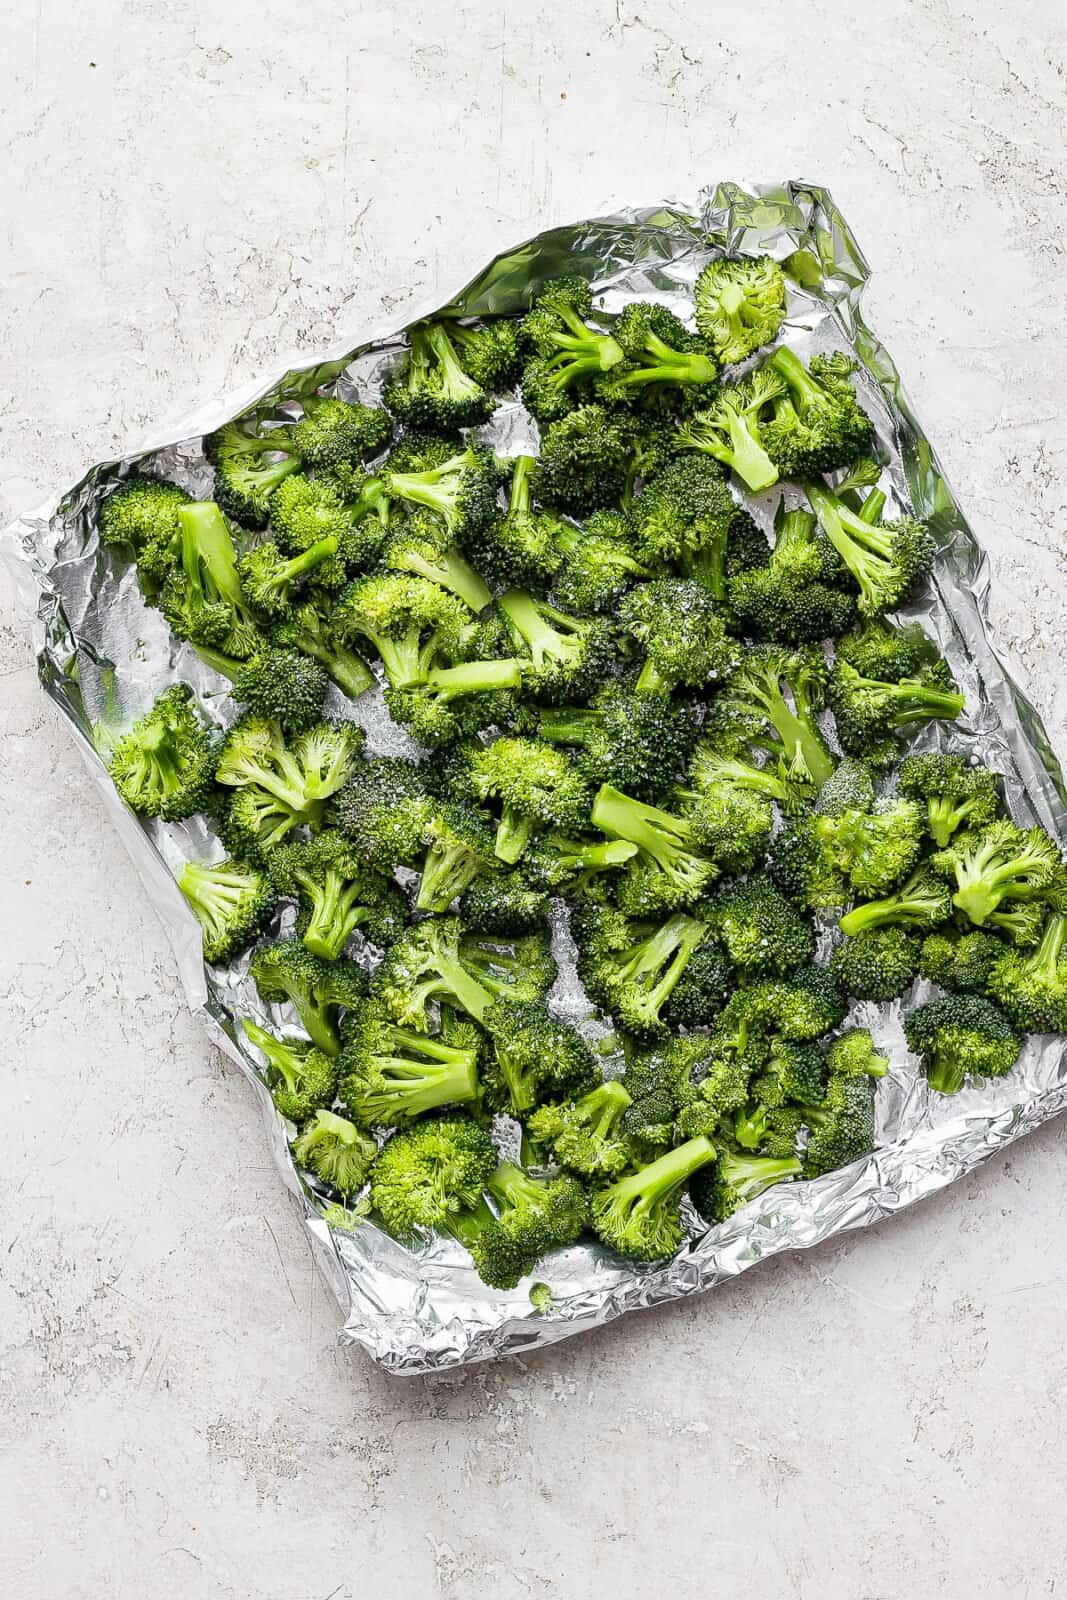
<point>191,189</point>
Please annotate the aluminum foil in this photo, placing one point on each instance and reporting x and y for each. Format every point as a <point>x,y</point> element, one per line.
<point>102,654</point>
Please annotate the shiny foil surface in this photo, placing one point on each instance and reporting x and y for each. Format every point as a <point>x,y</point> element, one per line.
<point>423,1309</point>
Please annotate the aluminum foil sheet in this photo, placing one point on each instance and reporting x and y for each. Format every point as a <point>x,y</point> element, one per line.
<point>424,1309</point>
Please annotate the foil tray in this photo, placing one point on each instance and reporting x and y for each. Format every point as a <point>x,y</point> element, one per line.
<point>424,1309</point>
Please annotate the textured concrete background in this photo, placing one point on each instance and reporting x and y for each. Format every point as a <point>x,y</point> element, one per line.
<point>190,189</point>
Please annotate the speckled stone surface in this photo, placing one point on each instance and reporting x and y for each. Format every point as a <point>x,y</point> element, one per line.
<point>191,189</point>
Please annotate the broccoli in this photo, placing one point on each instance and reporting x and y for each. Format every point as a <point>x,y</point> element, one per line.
<point>409,622</point>
<point>584,1135</point>
<point>681,631</point>
<point>431,390</point>
<point>636,740</point>
<point>880,964</point>
<point>162,767</point>
<point>880,649</point>
<point>801,1007</point>
<point>232,900</point>
<point>203,600</point>
<point>762,932</point>
<point>432,961</point>
<point>534,1059</point>
<point>875,849</point>
<point>305,511</point>
<point>459,846</point>
<point>668,870</point>
<point>998,866</point>
<point>585,460</point>
<point>683,519</point>
<point>961,1035</point>
<point>660,1085</point>
<point>385,808</point>
<point>729,429</point>
<point>803,867</point>
<point>312,768</point>
<point>522,546</point>
<point>460,491</point>
<point>961,962</point>
<point>489,352</point>
<point>752,709</point>
<point>731,824</point>
<point>922,902</point>
<point>285,970</point>
<point>740,304</point>
<point>338,893</point>
<point>336,1152</point>
<point>716,762</point>
<point>504,902</point>
<point>1021,925</point>
<point>850,787</point>
<point>282,686</point>
<point>421,545</point>
<point>871,715</point>
<point>563,657</point>
<point>639,1215</point>
<point>954,793</point>
<point>577,868</point>
<point>391,1074</point>
<point>718,1085</point>
<point>141,515</point>
<point>796,1070</point>
<point>1032,989</point>
<point>567,349</point>
<point>334,431</point>
<point>532,1216</point>
<point>312,632</point>
<point>853,1056</point>
<point>665,365</point>
<point>456,702</point>
<point>270,580</point>
<point>650,446</point>
<point>248,468</point>
<point>302,1079</point>
<point>791,600</point>
<point>426,1174</point>
<point>598,563</point>
<point>841,1129</point>
<point>737,1178</point>
<point>886,559</point>
<point>632,968</point>
<point>817,424</point>
<point>251,822</point>
<point>535,787</point>
<point>511,969</point>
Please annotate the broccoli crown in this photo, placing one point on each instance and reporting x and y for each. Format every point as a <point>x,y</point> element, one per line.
<point>337,1152</point>
<point>534,786</point>
<point>665,365</point>
<point>922,902</point>
<point>961,1034</point>
<point>875,848</point>
<point>249,466</point>
<point>853,1055</point>
<point>231,900</point>
<point>702,989</point>
<point>731,824</point>
<point>790,600</point>
<point>163,766</point>
<point>800,1008</point>
<point>585,1135</point>
<point>503,902</point>
<point>286,970</point>
<point>598,563</point>
<point>841,1130</point>
<point>683,519</point>
<point>567,350</point>
<point>409,622</point>
<point>332,432</point>
<point>961,962</point>
<point>271,580</point>
<point>563,657</point>
<point>736,1178</point>
<point>719,1079</point>
<point>1032,989</point>
<point>460,491</point>
<point>724,760</point>
<point>796,1070</point>
<point>585,460</point>
<point>752,709</point>
<point>421,545</point>
<point>305,511</point>
<point>202,598</point>
<point>511,969</point>
<point>251,823</point>
<point>384,809</point>
<point>803,868</point>
<point>850,787</point>
<point>870,714</point>
<point>522,546</point>
<point>879,649</point>
<point>459,846</point>
<point>954,793</point>
<point>457,702</point>
<point>534,1059</point>
<point>682,634</point>
<point>761,931</point>
<point>879,964</point>
<point>532,1215</point>
<point>302,1079</point>
<point>633,968</point>
<point>740,304</point>
<point>427,965</point>
<point>638,1215</point>
<point>660,1083</point>
<point>578,867</point>
<point>817,423</point>
<point>638,741</point>
<point>885,559</point>
<point>668,870</point>
<point>428,1173</point>
<point>490,352</point>
<point>141,515</point>
<point>283,686</point>
<point>729,429</point>
<point>431,390</point>
<point>998,865</point>
<point>390,1074</point>
<point>310,630</point>
<point>338,893</point>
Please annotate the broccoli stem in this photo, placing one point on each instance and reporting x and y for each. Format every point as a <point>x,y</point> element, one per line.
<point>521,498</point>
<point>453,574</point>
<point>208,559</point>
<point>916,703</point>
<point>945,1074</point>
<point>580,856</point>
<point>335,913</point>
<point>513,834</point>
<point>802,386</point>
<point>661,1179</point>
<point>567,724</point>
<point>444,1076</point>
<point>474,677</point>
<point>656,832</point>
<point>655,966</point>
<point>448,869</point>
<point>280,1054</point>
<point>216,894</point>
<point>670,367</point>
<point>545,643</point>
<point>805,752</point>
<point>984,879</point>
<point>750,1128</point>
<point>873,506</point>
<point>902,908</point>
<point>160,771</point>
<point>435,488</point>
<point>748,1176</point>
<point>314,556</point>
<point>746,454</point>
<point>734,306</point>
<point>865,549</point>
<point>651,681</point>
<point>349,671</point>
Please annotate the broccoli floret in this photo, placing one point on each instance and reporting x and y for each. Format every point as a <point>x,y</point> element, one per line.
<point>716,761</point>
<point>802,1007</point>
<point>457,702</point>
<point>1032,989</point>
<point>660,1084</point>
<point>1022,924</point>
<point>534,1059</point>
<point>789,600</point>
<point>426,1174</point>
<point>598,563</point>
<point>730,824</point>
<point>337,1152</point>
<point>459,846</point>
<point>585,460</point>
<point>285,970</point>
<point>577,868</point>
<point>876,848</point>
<point>421,545</point>
<point>638,741</point>
<point>639,1215</point>
<point>729,429</point>
<point>762,932</point>
<point>431,390</point>
<point>311,631</point>
<point>563,657</point>
<point>849,788</point>
<point>702,988</point>
<point>651,447</point>
<point>665,365</point>
<point>141,515</point>
<point>998,866</point>
<point>301,1078</point>
<point>803,868</point>
<point>489,352</point>
<point>503,902</point>
<point>668,870</point>
<point>391,1074</point>
<point>270,581</point>
<point>740,304</point>
<point>632,968</point>
<point>521,546</point>
<point>880,649</point>
<point>853,1055</point>
<point>460,491</point>
<point>338,893</point>
<point>385,809</point>
<point>162,767</point>
<point>961,962</point>
<point>961,1035</point>
<point>841,1129</point>
<point>886,559</point>
<point>232,900</point>
<point>202,599</point>
<point>796,1070</point>
<point>305,511</point>
<point>248,468</point>
<point>737,1178</point>
<point>817,424</point>
<point>878,965</point>
<point>568,351</point>
<point>408,621</point>
<point>922,902</point>
<point>426,965</point>
<point>752,709</point>
<point>871,716</point>
<point>683,519</point>
<point>511,969</point>
<point>585,1135</point>
<point>333,431</point>
<point>681,631</point>
<point>532,1216</point>
<point>721,1067</point>
<point>282,686</point>
<point>534,786</point>
<point>250,822</point>
<point>954,793</point>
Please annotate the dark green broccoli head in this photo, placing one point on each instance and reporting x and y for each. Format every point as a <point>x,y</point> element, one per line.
<point>849,788</point>
<point>886,559</point>
<point>504,902</point>
<point>731,824</point>
<point>666,368</point>
<point>249,466</point>
<point>954,793</point>
<point>958,961</point>
<point>309,628</point>
<point>430,388</point>
<point>816,424</point>
<point>632,968</point>
<point>802,867</point>
<point>489,352</point>
<point>409,622</point>
<point>163,766</point>
<point>676,623</point>
<point>961,1035</point>
<point>736,1178</point>
<point>790,599</point>
<point>141,515</point>
<point>879,964</point>
<point>871,716</point>
<point>427,1173</point>
<point>271,581</point>
<point>460,491</point>
<point>639,742</point>
<point>534,1058</point>
<point>853,1055</point>
<point>459,847</point>
<point>333,431</point>
<point>338,893</point>
<point>384,809</point>
<point>874,849</point>
<point>285,970</point>
<point>585,460</point>
<point>761,931</point>
<point>842,1128</point>
<point>599,563</point>
<point>585,1135</point>
<point>1032,989</point>
<point>800,1008</point>
<point>283,686</point>
<point>336,1152</point>
<point>533,786</point>
<point>740,304</point>
<point>301,1078</point>
<point>232,901</point>
<point>251,822</point>
<point>683,520</point>
<point>668,870</point>
<point>305,511</point>
<point>531,1216</point>
<point>522,546</point>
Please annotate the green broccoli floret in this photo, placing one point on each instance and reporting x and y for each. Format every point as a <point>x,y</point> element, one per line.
<point>426,965</point>
<point>285,970</point>
<point>459,847</point>
<point>270,581</point>
<point>232,900</point>
<point>651,445</point>
<point>532,1215</point>
<point>1021,924</point>
<point>504,902</point>
<point>730,824</point>
<point>568,351</point>
<point>203,600</point>
<point>511,969</point>
<point>638,741</point>
<point>310,630</point>
<point>425,1175</point>
<point>248,468</point>
<point>563,657</point>
<point>879,649</point>
<point>853,1056</point>
<point>312,768</point>
<point>162,767</point>
<point>585,1135</point>
<point>878,965</point>
<point>752,708</point>
<point>141,515</point>
<point>598,563</point>
<point>683,519</point>
<point>962,962</point>
<point>489,352</point>
<point>336,1152</point>
<point>338,893</point>
<point>522,546</point>
<point>534,786</point>
<point>803,867</point>
<point>849,788</point>
<point>251,822</point>
<point>790,600</point>
<point>385,808</point>
<point>301,1078</point>
<point>282,686</point>
<point>585,460</point>
<point>668,870</point>
<point>961,1035</point>
<point>660,1084</point>
<point>842,1128</point>
<point>999,865</point>
<point>922,902</point>
<point>577,868</point>
<point>332,431</point>
<point>460,491</point>
<point>720,1077</point>
<point>728,430</point>
<point>740,304</point>
<point>886,559</point>
<point>391,1074</point>
<point>796,1070</point>
<point>874,849</point>
<point>681,631</point>
<point>817,424</point>
<point>534,1059</point>
<point>665,365</point>
<point>639,1215</point>
<point>410,623</point>
<point>717,761</point>
<point>1032,989</point>
<point>431,390</point>
<point>632,968</point>
<point>737,1178</point>
<point>421,545</point>
<point>954,793</point>
<point>871,716</point>
<point>762,932</point>
<point>802,1007</point>
<point>305,511</point>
